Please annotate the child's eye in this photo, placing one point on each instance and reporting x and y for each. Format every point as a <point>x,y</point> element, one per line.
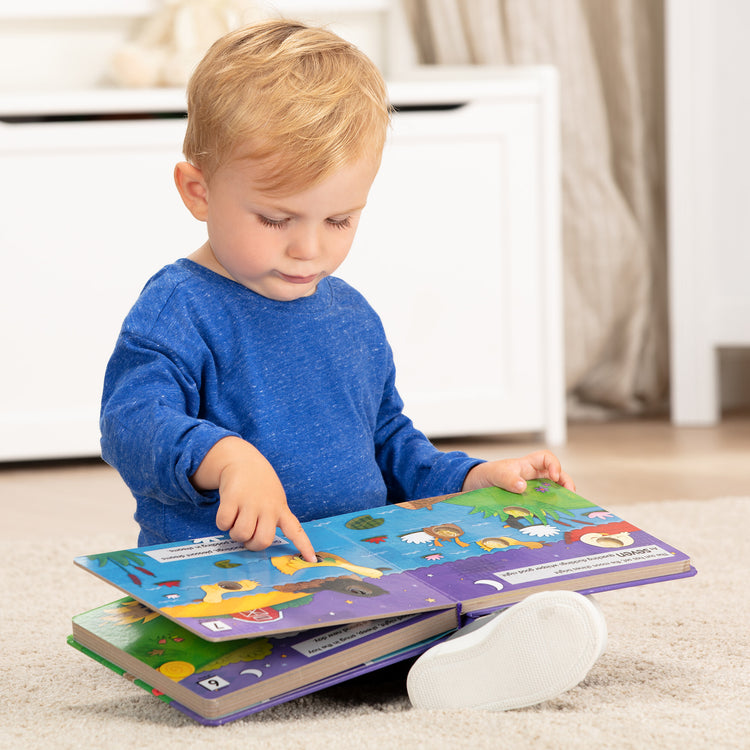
<point>273,223</point>
<point>340,223</point>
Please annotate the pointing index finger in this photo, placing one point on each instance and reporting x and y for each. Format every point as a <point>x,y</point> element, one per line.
<point>297,536</point>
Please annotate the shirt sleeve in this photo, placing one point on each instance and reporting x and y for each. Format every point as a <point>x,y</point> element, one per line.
<point>412,466</point>
<point>151,431</point>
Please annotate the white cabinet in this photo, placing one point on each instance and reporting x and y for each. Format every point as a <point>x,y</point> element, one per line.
<point>459,251</point>
<point>88,215</point>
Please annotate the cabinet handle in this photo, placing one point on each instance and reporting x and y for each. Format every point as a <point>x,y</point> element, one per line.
<point>92,117</point>
<point>441,107</point>
<point>181,115</point>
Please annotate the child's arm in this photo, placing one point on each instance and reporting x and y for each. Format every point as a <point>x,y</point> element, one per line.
<point>252,501</point>
<point>511,473</point>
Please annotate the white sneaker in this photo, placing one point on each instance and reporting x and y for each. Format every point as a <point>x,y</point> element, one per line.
<point>526,654</point>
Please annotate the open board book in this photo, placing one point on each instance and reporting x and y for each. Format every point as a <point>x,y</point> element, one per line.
<point>223,630</point>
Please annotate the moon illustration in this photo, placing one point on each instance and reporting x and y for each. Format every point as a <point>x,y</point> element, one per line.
<point>256,672</point>
<point>495,584</point>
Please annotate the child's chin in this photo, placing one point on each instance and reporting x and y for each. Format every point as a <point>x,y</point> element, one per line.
<point>289,295</point>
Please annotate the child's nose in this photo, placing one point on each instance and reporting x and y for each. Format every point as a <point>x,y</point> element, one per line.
<point>305,244</point>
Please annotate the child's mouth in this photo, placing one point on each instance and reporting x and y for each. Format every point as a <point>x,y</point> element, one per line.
<point>299,279</point>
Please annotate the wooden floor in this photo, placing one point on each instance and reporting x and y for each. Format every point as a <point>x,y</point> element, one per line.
<point>613,463</point>
<point>646,459</point>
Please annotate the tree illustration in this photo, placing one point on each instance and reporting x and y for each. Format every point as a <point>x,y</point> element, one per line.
<point>541,500</point>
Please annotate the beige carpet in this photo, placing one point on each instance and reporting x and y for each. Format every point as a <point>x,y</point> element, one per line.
<point>676,673</point>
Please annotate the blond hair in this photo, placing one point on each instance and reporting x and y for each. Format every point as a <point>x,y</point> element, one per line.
<point>300,100</point>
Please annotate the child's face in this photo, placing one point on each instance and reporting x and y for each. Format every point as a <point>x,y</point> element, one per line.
<point>281,247</point>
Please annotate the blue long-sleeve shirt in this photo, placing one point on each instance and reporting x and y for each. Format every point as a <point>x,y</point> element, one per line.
<point>310,383</point>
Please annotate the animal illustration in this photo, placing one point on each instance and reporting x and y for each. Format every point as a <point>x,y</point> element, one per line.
<point>444,532</point>
<point>516,515</point>
<point>215,591</point>
<point>290,564</point>
<point>503,542</point>
<point>615,534</point>
<point>350,585</point>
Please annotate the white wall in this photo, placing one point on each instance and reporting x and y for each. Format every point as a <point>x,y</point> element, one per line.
<point>708,58</point>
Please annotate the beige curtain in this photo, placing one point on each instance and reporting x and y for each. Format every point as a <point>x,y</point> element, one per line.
<point>609,54</point>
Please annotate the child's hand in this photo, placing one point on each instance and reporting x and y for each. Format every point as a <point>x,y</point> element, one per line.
<point>252,501</point>
<point>511,473</point>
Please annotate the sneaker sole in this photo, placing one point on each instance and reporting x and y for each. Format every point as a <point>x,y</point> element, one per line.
<point>529,653</point>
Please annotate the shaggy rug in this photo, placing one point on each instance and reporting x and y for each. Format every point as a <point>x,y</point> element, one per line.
<point>676,673</point>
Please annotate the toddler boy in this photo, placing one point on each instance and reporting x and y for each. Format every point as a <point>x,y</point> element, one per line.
<point>250,389</point>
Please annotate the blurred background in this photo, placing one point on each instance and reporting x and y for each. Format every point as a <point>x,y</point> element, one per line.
<point>583,165</point>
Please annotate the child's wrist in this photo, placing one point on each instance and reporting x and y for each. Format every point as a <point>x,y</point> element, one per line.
<point>474,478</point>
<point>227,452</point>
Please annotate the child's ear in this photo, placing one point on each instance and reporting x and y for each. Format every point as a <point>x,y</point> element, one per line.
<point>193,189</point>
